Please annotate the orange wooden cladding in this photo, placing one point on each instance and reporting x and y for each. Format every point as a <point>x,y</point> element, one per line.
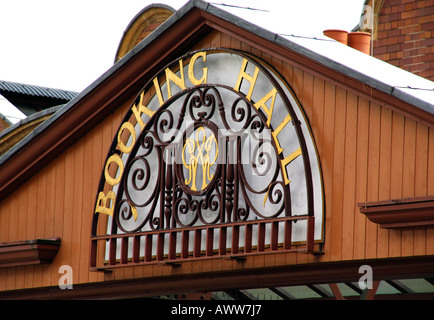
<point>367,151</point>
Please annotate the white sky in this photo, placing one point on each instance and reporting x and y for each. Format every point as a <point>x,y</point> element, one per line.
<point>68,44</point>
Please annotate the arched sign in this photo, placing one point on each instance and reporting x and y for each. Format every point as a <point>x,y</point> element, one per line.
<point>215,157</point>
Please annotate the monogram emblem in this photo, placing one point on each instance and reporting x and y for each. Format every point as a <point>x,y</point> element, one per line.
<point>199,151</point>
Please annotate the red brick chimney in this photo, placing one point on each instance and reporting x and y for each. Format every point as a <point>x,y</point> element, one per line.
<point>404,35</point>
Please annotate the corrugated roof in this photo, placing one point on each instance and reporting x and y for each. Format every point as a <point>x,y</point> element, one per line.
<point>38,91</point>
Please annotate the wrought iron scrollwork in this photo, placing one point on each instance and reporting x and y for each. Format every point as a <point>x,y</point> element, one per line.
<point>198,162</point>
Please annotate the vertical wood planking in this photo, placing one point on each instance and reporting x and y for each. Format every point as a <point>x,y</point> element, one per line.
<point>77,212</point>
<point>396,177</point>
<point>9,274</point>
<point>349,184</point>
<point>430,176</point>
<point>308,93</point>
<point>327,161</point>
<point>317,119</point>
<point>408,179</point>
<point>89,195</point>
<point>373,174</point>
<point>44,220</point>
<point>40,205</point>
<point>97,166</point>
<point>307,106</point>
<point>430,189</point>
<point>338,175</point>
<point>26,226</point>
<point>50,203</point>
<point>361,177</point>
<point>5,216</point>
<point>59,193</point>
<point>384,175</point>
<point>30,210</point>
<point>420,181</point>
<point>5,219</point>
<point>67,210</point>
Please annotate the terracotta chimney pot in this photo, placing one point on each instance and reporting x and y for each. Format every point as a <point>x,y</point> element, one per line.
<point>337,34</point>
<point>360,41</point>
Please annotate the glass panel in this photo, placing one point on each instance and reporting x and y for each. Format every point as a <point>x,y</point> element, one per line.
<point>418,285</point>
<point>220,295</point>
<point>262,294</point>
<point>301,292</point>
<point>347,291</point>
<point>385,288</point>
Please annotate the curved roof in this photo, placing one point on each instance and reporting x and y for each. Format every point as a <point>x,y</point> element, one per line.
<point>15,133</point>
<point>32,90</point>
<point>146,21</point>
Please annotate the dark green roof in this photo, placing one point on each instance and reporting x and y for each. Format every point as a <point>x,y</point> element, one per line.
<point>35,91</point>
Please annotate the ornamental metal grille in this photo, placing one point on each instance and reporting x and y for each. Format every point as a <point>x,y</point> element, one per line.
<point>203,178</point>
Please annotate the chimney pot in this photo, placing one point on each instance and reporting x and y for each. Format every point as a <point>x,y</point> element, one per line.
<point>360,41</point>
<point>337,34</point>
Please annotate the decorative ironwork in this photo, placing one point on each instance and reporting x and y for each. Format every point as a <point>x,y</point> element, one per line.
<point>203,169</point>
<point>190,158</point>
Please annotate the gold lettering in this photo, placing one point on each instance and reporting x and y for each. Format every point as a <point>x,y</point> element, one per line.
<point>243,75</point>
<point>287,161</point>
<point>104,201</point>
<point>261,104</point>
<point>126,125</point>
<point>179,81</point>
<point>277,131</point>
<point>158,90</point>
<point>142,109</point>
<point>191,76</point>
<point>116,159</point>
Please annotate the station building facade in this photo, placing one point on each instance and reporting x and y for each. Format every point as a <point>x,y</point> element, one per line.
<point>216,160</point>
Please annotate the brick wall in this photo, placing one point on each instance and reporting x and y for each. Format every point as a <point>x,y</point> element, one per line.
<point>405,36</point>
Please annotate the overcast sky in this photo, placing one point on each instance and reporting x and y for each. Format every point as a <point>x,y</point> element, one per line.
<point>68,44</point>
